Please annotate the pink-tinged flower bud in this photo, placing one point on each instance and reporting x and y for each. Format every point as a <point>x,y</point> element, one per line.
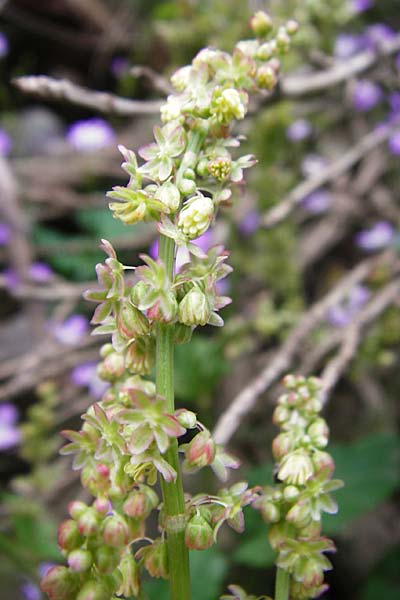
<point>115,531</point>
<point>196,215</point>
<point>200,452</point>
<point>107,559</point>
<point>102,505</point>
<point>112,367</point>
<point>76,508</point>
<point>155,558</point>
<point>299,514</point>
<point>266,78</point>
<point>283,40</point>
<point>261,23</point>
<point>298,591</point>
<point>93,590</point>
<point>318,432</point>
<point>198,533</point>
<point>281,415</point>
<point>182,333</point>
<point>292,27</point>
<point>311,531</point>
<point>194,308</point>
<point>131,322</point>
<point>88,522</point>
<point>186,418</point>
<point>130,572</point>
<point>106,350</point>
<point>323,461</point>
<point>281,445</point>
<point>296,468</point>
<point>69,537</point>
<point>80,560</point>
<point>140,502</point>
<point>59,583</point>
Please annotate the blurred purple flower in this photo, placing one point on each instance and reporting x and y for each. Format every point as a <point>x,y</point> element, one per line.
<point>40,272</point>
<point>9,432</point>
<point>379,236</point>
<point>90,135</point>
<point>359,6</point>
<point>376,35</point>
<point>5,143</point>
<point>204,242</point>
<point>30,591</point>
<point>250,222</point>
<point>299,130</point>
<point>347,45</point>
<point>317,202</point>
<point>366,95</point>
<point>5,234</point>
<point>397,62</point>
<point>343,313</point>
<point>12,278</point>
<point>313,164</point>
<point>119,66</point>
<point>394,144</point>
<point>3,45</point>
<point>85,375</point>
<point>44,567</point>
<point>71,331</point>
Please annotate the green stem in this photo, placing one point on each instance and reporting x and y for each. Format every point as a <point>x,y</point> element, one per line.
<point>174,501</point>
<point>282,584</point>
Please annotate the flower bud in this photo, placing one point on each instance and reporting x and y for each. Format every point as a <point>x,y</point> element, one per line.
<point>131,322</point>
<point>279,533</point>
<point>194,308</point>
<point>102,505</point>
<point>169,195</point>
<point>80,560</point>
<point>323,461</point>
<point>281,415</point>
<point>140,502</point>
<point>59,583</point>
<point>196,216</point>
<point>112,367</point>
<point>93,590</point>
<point>115,531</point>
<point>270,512</point>
<point>186,418</point>
<point>88,522</point>
<point>296,468</point>
<point>265,51</point>
<point>292,27</point>
<point>106,349</point>
<point>282,445</point>
<point>155,558</point>
<point>220,168</point>
<point>107,559</point>
<point>227,105</point>
<point>130,572</point>
<point>200,452</point>
<point>139,357</point>
<point>76,508</point>
<point>283,41</point>
<point>299,514</point>
<point>198,533</point>
<point>182,333</point>
<point>290,492</point>
<point>261,23</point>
<point>69,537</point>
<point>266,78</point>
<point>181,77</point>
<point>319,433</point>
<point>187,186</point>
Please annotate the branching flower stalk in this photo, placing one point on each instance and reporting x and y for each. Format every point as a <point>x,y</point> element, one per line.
<point>129,440</point>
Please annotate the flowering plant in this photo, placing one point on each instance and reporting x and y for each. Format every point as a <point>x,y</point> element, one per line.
<point>129,440</point>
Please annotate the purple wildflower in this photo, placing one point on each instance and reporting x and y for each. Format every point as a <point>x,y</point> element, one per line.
<point>312,165</point>
<point>299,130</point>
<point>9,432</point>
<point>359,6</point>
<point>5,234</point>
<point>250,222</point>
<point>347,45</point>
<point>397,62</point>
<point>40,272</point>
<point>366,95</point>
<point>5,143</point>
<point>317,202</point>
<point>85,375</point>
<point>12,278</point>
<point>90,135</point>
<point>3,45</point>
<point>378,34</point>
<point>119,66</point>
<point>71,331</point>
<point>343,313</point>
<point>30,591</point>
<point>394,144</point>
<point>379,236</point>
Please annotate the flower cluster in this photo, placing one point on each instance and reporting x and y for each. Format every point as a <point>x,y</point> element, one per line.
<point>295,505</point>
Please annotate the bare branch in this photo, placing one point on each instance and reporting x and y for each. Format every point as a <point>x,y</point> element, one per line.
<point>62,89</point>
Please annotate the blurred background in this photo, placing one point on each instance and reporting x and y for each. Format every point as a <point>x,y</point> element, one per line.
<point>314,241</point>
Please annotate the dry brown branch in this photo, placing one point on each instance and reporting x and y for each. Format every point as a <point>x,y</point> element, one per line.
<point>157,81</point>
<point>352,335</point>
<point>282,359</point>
<point>62,89</point>
<point>302,84</point>
<point>368,143</point>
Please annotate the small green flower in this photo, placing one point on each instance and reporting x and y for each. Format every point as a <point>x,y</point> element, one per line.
<point>170,143</point>
<point>196,216</point>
